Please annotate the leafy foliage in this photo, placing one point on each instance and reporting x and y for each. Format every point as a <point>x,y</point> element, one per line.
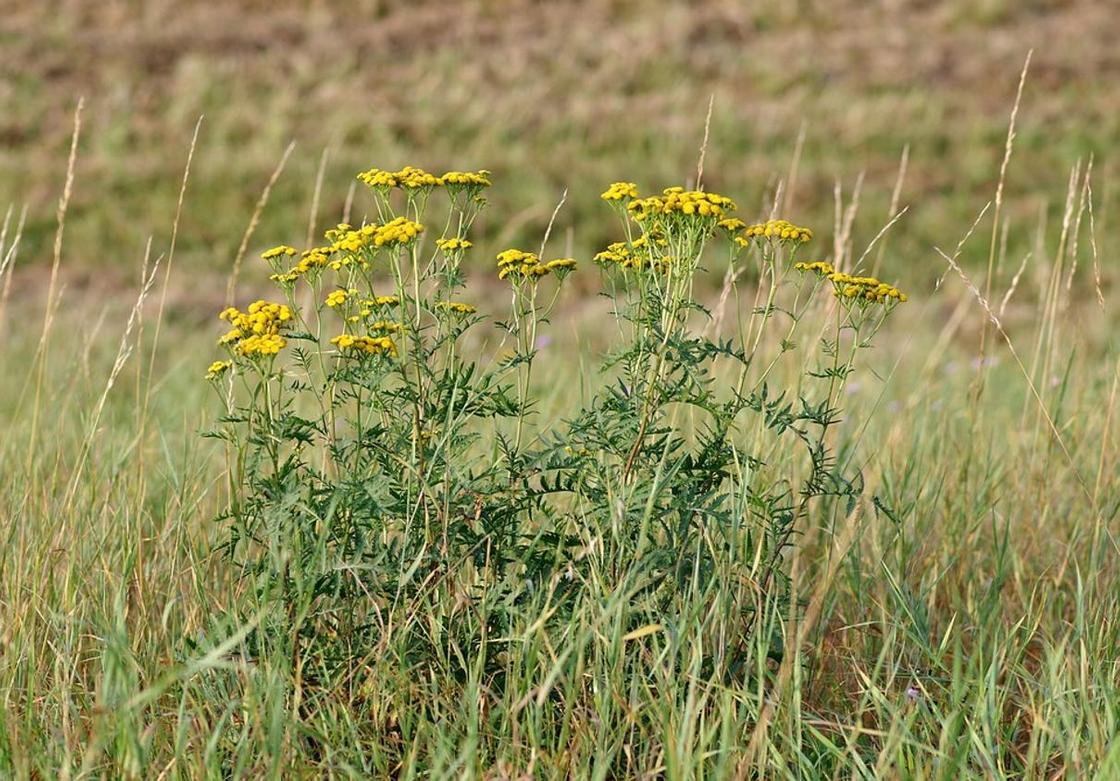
<point>376,468</point>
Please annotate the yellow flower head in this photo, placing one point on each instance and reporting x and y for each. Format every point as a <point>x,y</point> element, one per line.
<point>777,230</point>
<point>514,257</point>
<point>456,307</point>
<point>695,202</point>
<point>679,201</point>
<point>277,251</point>
<point>346,245</point>
<point>335,233</point>
<point>619,253</point>
<point>560,264</point>
<point>336,298</point>
<point>620,191</point>
<point>634,255</point>
<point>409,178</point>
<point>261,345</point>
<point>643,208</point>
<point>453,244</point>
<point>312,259</point>
<point>397,232</point>
<point>386,326</point>
<point>385,301</point>
<point>378,179</point>
<point>518,264</point>
<point>369,345</point>
<point>864,290</point>
<point>217,369</point>
<point>465,180</point>
<point>412,178</point>
<point>230,336</point>
<point>257,330</point>
<point>820,267</point>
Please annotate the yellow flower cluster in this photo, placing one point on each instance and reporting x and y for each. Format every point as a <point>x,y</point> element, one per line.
<point>338,232</point>
<point>516,261</point>
<point>620,252</point>
<point>619,191</point>
<point>274,254</point>
<point>677,200</point>
<point>319,257</point>
<point>375,177</point>
<point>822,268</point>
<point>864,289</point>
<point>456,307</point>
<point>527,265</point>
<point>346,242</point>
<point>386,326</point>
<point>453,244</point>
<point>371,345</point>
<point>465,179</point>
<point>338,297</point>
<point>316,257</point>
<point>634,255</point>
<point>385,301</point>
<point>731,224</point>
<point>257,331</point>
<point>412,178</point>
<point>347,238</point>
<point>217,369</point>
<point>560,264</point>
<point>399,231</point>
<point>774,229</point>
<point>277,251</point>
<point>409,177</point>
<point>266,344</point>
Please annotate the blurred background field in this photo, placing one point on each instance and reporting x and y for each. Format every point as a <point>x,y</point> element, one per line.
<point>997,586</point>
<point>551,96</point>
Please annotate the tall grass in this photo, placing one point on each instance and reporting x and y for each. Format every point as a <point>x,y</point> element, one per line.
<point>964,626</point>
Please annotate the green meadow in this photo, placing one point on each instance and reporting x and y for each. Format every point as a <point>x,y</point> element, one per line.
<point>687,510</point>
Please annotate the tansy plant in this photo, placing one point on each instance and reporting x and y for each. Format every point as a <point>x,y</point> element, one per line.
<point>376,462</point>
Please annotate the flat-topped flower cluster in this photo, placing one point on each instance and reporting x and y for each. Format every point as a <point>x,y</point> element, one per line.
<point>257,331</point>
<point>412,178</point>
<point>688,217</point>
